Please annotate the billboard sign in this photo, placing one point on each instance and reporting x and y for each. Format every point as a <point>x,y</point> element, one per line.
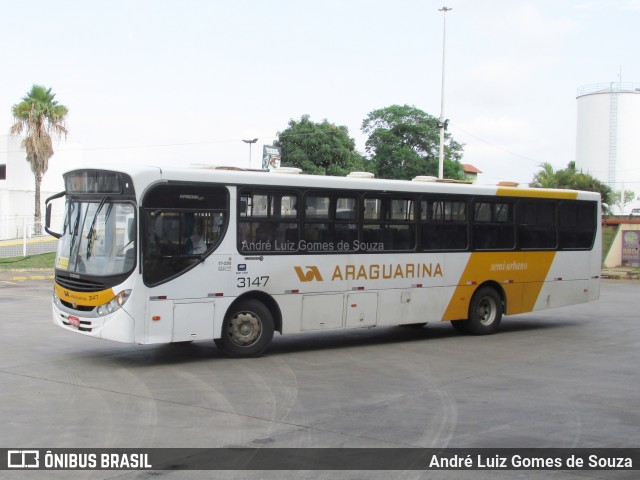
<point>631,248</point>
<point>270,157</point>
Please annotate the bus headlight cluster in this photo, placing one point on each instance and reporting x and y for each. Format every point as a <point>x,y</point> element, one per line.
<point>117,302</point>
<point>56,300</point>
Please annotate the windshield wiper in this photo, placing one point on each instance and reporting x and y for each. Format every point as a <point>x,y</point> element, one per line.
<point>90,236</point>
<point>73,231</point>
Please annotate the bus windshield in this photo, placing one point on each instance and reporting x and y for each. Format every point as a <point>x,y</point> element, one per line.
<point>98,238</point>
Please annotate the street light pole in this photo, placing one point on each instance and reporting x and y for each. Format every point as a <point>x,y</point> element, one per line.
<point>250,142</point>
<point>442,125</point>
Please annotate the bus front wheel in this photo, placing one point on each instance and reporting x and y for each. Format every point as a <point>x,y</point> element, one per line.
<point>485,313</point>
<point>247,330</point>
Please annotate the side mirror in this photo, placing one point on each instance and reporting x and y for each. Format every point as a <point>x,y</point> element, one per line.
<point>47,222</point>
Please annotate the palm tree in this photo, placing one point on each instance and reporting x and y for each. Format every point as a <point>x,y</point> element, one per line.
<point>40,117</point>
<point>572,179</point>
<point>545,178</point>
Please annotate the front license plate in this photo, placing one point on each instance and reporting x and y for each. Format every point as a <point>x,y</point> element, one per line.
<point>74,321</point>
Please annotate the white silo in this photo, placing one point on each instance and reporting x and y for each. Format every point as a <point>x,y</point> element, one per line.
<point>607,136</point>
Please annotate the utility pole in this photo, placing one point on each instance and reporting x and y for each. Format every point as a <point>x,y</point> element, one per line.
<point>442,124</point>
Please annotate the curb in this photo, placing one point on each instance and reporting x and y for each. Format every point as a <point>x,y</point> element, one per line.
<point>620,275</point>
<point>13,274</point>
<point>28,270</point>
<point>31,277</point>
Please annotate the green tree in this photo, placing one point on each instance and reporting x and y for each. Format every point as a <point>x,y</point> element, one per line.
<point>319,148</point>
<point>404,142</point>
<point>40,117</point>
<point>570,178</point>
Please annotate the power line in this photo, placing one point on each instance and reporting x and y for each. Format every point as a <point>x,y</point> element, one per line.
<point>537,162</point>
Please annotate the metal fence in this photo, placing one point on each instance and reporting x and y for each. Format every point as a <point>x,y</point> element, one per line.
<point>20,236</point>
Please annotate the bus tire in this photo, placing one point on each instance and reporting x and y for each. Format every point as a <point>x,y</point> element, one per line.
<point>485,312</point>
<point>247,330</point>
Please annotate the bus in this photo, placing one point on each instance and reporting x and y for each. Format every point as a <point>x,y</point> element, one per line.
<point>152,255</point>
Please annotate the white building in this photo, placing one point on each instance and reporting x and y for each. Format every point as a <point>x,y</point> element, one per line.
<point>17,184</point>
<point>607,140</point>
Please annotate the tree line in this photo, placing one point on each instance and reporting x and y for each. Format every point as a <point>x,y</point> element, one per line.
<point>403,142</point>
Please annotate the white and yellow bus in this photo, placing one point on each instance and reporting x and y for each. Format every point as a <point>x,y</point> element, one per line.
<point>157,255</point>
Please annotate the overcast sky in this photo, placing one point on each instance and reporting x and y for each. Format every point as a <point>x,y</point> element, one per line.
<point>181,82</point>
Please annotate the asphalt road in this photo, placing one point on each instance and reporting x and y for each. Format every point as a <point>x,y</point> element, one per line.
<point>561,378</point>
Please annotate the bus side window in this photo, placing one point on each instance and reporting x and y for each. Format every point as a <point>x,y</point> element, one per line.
<point>576,225</point>
<point>270,221</point>
<point>493,227</point>
<point>536,224</point>
<point>443,224</point>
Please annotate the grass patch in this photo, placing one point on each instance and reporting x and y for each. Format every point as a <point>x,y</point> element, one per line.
<point>44,260</point>
<point>607,239</point>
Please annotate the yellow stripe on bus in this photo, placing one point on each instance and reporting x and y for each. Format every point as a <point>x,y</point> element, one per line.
<point>536,193</point>
<point>520,274</point>
<point>85,299</point>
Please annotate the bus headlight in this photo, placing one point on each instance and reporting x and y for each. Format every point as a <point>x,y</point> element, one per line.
<point>56,300</point>
<point>117,302</point>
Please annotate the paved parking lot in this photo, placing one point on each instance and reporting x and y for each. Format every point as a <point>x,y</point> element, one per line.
<point>561,378</point>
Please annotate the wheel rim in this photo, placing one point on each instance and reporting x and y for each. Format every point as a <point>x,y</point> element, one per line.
<point>487,310</point>
<point>245,329</point>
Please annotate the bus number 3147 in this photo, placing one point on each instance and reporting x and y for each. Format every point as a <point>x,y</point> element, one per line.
<point>245,282</point>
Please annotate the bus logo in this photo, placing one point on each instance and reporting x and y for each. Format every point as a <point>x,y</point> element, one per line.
<point>310,275</point>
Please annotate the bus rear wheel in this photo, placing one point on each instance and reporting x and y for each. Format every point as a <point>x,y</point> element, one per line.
<point>485,313</point>
<point>247,330</point>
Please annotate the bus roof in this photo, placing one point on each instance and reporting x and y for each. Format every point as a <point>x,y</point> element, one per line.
<point>263,178</point>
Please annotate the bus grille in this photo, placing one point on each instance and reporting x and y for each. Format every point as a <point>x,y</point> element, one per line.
<point>79,308</point>
<point>79,285</point>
